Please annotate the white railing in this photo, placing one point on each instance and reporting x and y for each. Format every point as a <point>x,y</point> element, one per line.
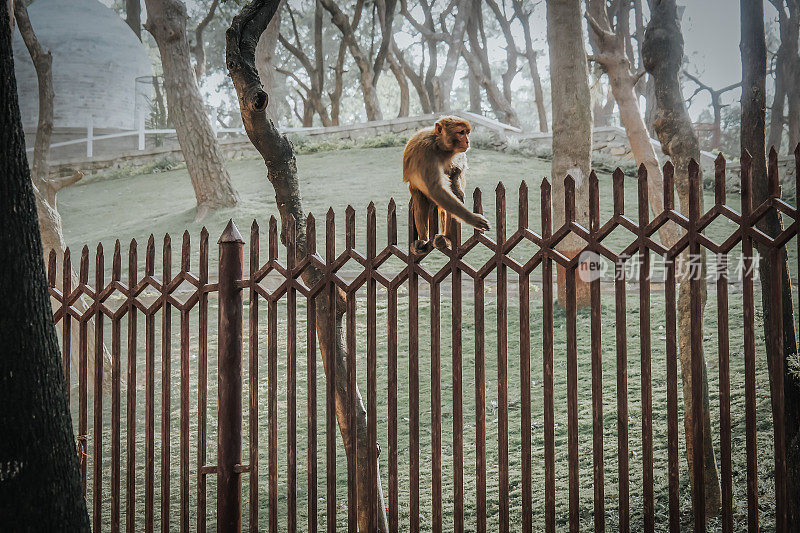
<point>141,132</point>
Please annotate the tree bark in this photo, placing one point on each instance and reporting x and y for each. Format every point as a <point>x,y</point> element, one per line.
<point>282,172</point>
<point>662,54</point>
<point>754,61</point>
<point>166,22</point>
<point>530,54</point>
<point>572,126</point>
<point>40,486</point>
<point>266,56</point>
<point>133,16</point>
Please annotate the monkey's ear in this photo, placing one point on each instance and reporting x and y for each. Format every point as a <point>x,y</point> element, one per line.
<point>437,128</point>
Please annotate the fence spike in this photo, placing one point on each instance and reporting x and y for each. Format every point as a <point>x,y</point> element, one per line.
<point>84,269</point>
<point>545,214</point>
<point>618,191</point>
<point>350,227</point>
<point>116,268</point>
<point>694,190</point>
<point>669,185</point>
<point>643,204</point>
<point>477,200</point>
<point>150,257</point>
<point>185,252</point>
<point>392,222</point>
<point>330,236</point>
<point>773,179</point>
<point>569,199</point>
<point>273,238</point>
<point>230,233</point>
<point>719,179</point>
<point>523,205</point>
<point>51,268</point>
<point>311,234</point>
<point>594,202</point>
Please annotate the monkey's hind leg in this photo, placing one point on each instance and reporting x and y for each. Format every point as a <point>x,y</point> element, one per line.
<point>420,204</point>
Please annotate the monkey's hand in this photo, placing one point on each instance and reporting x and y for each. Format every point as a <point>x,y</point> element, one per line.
<point>479,221</point>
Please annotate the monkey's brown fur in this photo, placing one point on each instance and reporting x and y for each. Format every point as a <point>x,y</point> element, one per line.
<point>433,166</point>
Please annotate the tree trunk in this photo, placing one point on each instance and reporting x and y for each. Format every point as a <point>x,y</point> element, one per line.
<point>371,104</point>
<point>443,83</point>
<point>611,54</point>
<point>754,61</point>
<point>531,55</point>
<point>478,61</point>
<point>662,54</point>
<point>474,93</point>
<point>777,119</point>
<point>46,188</point>
<point>572,127</point>
<point>282,173</point>
<point>402,82</point>
<point>166,22</point>
<point>133,16</point>
<point>199,48</point>
<point>266,58</point>
<point>40,486</point>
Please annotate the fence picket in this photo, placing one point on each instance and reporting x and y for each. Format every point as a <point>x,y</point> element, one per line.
<point>645,339</point>
<point>99,358</point>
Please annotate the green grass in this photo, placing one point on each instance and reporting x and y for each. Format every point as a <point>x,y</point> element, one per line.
<point>126,207</point>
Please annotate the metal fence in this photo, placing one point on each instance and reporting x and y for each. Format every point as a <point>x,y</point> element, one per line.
<point>190,292</point>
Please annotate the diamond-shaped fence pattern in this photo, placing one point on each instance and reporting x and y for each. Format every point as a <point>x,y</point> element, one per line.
<point>139,317</point>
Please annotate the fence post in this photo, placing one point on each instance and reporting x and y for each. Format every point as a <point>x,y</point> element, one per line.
<point>229,439</point>
<point>140,130</point>
<point>90,137</point>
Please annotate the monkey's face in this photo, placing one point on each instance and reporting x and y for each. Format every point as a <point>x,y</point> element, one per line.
<point>460,139</point>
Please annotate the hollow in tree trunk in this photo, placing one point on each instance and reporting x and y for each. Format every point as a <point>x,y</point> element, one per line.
<point>40,486</point>
<point>166,22</point>
<point>662,53</point>
<point>278,154</point>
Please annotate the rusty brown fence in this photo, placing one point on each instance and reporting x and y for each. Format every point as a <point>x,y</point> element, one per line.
<point>534,455</point>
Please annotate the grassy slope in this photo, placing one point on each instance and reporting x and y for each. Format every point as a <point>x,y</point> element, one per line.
<point>134,207</point>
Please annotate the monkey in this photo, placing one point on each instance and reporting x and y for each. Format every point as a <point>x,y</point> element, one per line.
<point>434,161</point>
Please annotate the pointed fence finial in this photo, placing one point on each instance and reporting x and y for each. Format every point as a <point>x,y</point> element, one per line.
<point>230,234</point>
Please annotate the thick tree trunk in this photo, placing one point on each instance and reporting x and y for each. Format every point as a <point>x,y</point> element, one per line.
<point>474,92</point>
<point>133,16</point>
<point>443,83</point>
<point>266,57</point>
<point>40,486</point>
<point>662,54</point>
<point>754,61</point>
<point>166,22</point>
<point>572,126</point>
<point>282,173</point>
